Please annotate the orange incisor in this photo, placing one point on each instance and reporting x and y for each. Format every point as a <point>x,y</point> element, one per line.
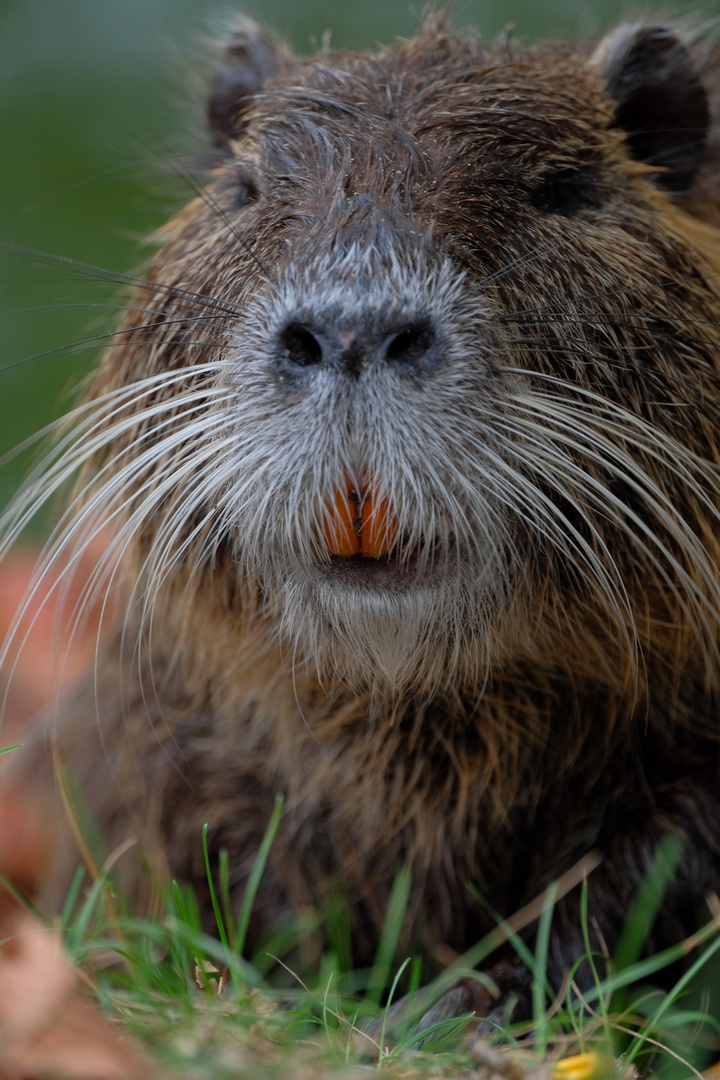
<point>371,533</point>
<point>340,528</point>
<point>378,527</point>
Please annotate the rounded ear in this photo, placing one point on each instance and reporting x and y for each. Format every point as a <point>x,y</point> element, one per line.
<point>251,57</point>
<point>662,104</point>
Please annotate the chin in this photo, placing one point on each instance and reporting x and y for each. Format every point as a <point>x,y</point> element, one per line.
<point>390,631</point>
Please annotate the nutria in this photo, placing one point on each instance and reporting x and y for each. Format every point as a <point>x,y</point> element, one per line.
<point>406,455</point>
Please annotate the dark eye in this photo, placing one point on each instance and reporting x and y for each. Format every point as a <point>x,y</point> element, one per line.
<point>565,191</point>
<point>246,192</point>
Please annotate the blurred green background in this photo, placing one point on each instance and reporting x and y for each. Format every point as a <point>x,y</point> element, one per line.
<point>96,112</point>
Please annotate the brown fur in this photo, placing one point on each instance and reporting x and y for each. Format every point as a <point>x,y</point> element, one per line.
<point>576,721</point>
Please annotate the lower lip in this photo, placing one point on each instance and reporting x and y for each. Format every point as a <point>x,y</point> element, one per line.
<point>378,573</point>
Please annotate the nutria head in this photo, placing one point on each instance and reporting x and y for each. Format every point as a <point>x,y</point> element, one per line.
<point>425,382</point>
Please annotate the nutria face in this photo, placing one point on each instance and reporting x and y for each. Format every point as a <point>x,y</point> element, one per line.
<point>424,365</point>
<point>371,360</point>
<point>444,267</point>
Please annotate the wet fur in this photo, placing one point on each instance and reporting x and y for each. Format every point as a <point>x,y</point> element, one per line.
<point>554,688</point>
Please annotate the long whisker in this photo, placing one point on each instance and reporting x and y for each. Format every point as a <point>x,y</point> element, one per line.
<point>85,269</point>
<point>558,425</point>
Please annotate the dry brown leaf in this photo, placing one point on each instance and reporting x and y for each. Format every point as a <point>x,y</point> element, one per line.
<point>48,1029</point>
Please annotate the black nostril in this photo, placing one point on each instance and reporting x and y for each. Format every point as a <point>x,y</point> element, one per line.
<point>411,345</point>
<point>301,346</point>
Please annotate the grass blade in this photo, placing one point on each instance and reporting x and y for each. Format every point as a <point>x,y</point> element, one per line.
<point>392,926</point>
<point>213,897</point>
<point>648,899</point>
<point>257,872</point>
<point>539,982</point>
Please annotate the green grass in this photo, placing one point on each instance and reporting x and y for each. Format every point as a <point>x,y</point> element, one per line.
<point>205,1010</point>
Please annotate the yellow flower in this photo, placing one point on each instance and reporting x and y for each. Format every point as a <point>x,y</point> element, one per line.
<point>590,1066</point>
